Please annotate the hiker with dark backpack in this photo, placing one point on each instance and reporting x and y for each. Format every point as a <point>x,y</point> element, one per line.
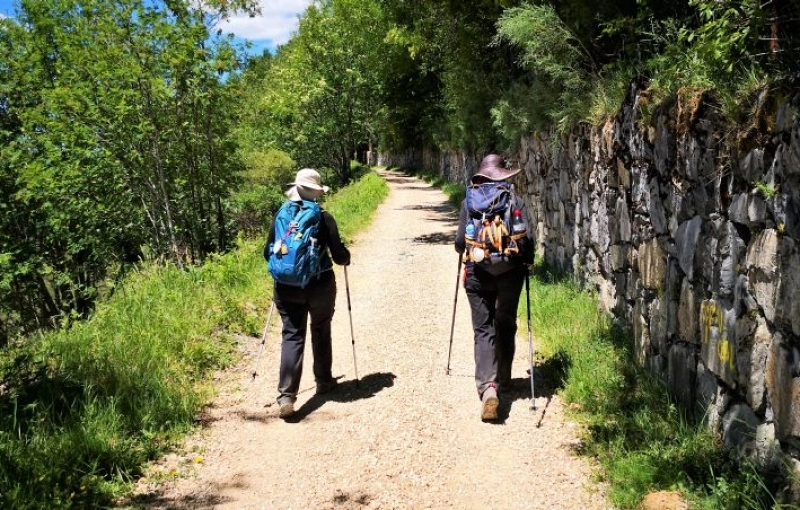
<point>303,244</point>
<point>497,249</point>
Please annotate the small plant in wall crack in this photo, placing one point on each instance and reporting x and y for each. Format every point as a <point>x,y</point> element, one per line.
<point>767,190</point>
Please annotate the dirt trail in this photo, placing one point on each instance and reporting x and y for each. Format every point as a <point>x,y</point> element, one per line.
<point>410,436</point>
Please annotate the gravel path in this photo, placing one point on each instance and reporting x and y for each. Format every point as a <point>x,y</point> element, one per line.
<point>410,436</point>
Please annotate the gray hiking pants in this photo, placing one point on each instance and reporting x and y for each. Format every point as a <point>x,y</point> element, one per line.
<point>295,306</point>
<point>493,300</point>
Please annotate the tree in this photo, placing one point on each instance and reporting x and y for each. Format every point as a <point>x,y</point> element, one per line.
<point>322,94</point>
<point>116,140</point>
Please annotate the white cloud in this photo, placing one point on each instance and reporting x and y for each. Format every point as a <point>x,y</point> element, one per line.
<point>277,22</point>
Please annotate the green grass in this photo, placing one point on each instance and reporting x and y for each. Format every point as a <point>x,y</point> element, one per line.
<point>83,409</point>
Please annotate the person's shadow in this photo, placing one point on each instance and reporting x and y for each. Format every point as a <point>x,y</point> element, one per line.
<point>548,378</point>
<point>347,391</point>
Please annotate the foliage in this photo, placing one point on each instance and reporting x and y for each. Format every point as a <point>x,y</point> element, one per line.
<point>460,76</point>
<point>115,140</point>
<point>321,94</point>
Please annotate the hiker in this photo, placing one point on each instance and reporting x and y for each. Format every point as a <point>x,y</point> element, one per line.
<point>316,299</point>
<point>495,270</point>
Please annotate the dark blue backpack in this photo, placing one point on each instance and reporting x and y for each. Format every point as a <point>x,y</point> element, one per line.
<point>294,256</point>
<point>494,230</point>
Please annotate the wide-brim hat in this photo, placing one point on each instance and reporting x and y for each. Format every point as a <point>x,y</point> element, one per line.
<point>493,167</point>
<point>307,185</point>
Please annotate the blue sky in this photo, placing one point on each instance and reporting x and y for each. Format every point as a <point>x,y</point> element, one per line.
<point>277,23</point>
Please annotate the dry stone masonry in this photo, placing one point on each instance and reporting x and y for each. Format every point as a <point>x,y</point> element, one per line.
<point>690,234</point>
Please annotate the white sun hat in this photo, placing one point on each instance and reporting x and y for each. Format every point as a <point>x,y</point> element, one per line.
<point>307,185</point>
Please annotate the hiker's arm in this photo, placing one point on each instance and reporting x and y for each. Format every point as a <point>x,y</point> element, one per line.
<point>529,246</point>
<point>270,239</point>
<point>462,225</point>
<point>339,252</point>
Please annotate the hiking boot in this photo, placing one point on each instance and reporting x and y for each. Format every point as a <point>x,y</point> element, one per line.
<point>286,409</point>
<point>326,387</point>
<point>490,402</point>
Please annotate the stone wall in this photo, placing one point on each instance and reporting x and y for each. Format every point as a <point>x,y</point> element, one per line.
<point>690,234</point>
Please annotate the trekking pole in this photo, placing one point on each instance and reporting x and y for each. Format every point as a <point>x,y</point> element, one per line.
<point>263,339</point>
<point>453,322</point>
<point>350,313</point>
<point>530,333</point>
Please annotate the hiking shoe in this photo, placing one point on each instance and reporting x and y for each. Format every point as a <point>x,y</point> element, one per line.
<point>490,404</point>
<point>286,409</point>
<point>325,387</point>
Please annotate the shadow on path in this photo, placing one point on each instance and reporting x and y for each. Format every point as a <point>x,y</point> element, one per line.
<point>348,391</point>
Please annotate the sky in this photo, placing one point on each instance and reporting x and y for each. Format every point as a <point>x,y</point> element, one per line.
<point>277,23</point>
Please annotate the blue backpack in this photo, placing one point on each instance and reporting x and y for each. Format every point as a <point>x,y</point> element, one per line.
<point>294,256</point>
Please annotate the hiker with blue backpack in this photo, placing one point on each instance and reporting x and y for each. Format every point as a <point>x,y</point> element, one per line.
<point>497,250</point>
<point>302,246</point>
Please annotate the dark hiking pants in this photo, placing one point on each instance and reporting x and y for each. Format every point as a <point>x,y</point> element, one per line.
<point>295,306</point>
<point>493,300</point>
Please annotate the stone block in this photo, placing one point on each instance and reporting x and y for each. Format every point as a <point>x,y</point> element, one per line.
<point>623,174</point>
<point>688,323</point>
<point>737,211</point>
<point>751,167</point>
<point>607,295</point>
<point>686,244</point>
<point>783,388</point>
<point>658,366</point>
<point>739,428</point>
<point>708,260</point>
<point>753,341</point>
<point>787,214</point>
<point>682,375</point>
<point>767,448</point>
<point>623,221</point>
<point>641,333</point>
<point>652,264</point>
<point>634,286</point>
<point>708,396</point>
<point>762,264</point>
<point>659,334</point>
<point>717,340</point>
<point>658,216</point>
<point>620,257</point>
<point>731,249</point>
<point>787,307</point>
<point>791,156</point>
<point>756,210</point>
<point>744,299</point>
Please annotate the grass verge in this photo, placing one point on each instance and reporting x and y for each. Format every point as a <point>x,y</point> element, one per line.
<point>83,409</point>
